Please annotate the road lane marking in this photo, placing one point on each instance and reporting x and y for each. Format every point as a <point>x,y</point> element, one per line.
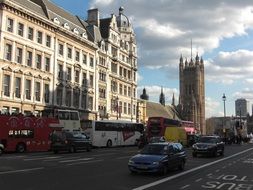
<point>41,158</point>
<point>217,170</point>
<point>188,171</point>
<point>20,171</point>
<point>76,157</point>
<point>210,174</point>
<point>123,157</point>
<point>198,180</point>
<point>184,186</point>
<point>106,154</point>
<point>87,162</point>
<point>12,157</point>
<point>75,160</point>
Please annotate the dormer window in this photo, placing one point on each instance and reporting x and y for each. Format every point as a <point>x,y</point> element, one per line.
<point>56,20</point>
<point>76,31</point>
<point>66,25</point>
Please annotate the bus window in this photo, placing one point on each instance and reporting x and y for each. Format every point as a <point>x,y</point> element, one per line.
<point>24,133</point>
<point>74,116</point>
<point>63,115</point>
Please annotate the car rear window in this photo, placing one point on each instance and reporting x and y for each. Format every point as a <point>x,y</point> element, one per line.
<point>208,140</point>
<point>58,135</point>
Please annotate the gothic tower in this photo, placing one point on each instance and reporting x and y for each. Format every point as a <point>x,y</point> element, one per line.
<point>192,92</point>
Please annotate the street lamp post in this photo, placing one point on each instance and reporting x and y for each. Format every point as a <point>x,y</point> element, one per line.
<point>224,120</point>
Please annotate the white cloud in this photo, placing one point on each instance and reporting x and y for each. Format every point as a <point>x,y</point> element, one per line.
<point>139,77</point>
<point>211,108</point>
<point>229,67</point>
<point>246,93</point>
<point>102,2</point>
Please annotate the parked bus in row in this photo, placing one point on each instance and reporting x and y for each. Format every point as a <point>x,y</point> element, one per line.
<point>108,133</point>
<point>171,129</point>
<point>20,133</point>
<point>69,119</point>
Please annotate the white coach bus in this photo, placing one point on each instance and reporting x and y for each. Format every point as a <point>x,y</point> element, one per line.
<point>108,133</point>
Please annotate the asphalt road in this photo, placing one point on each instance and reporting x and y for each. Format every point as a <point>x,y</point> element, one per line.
<point>107,169</point>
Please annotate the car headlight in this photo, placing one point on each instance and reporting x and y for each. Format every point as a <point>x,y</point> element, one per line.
<point>155,163</point>
<point>130,162</point>
<point>194,146</point>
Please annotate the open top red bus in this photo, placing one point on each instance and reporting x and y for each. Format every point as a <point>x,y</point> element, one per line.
<point>20,133</point>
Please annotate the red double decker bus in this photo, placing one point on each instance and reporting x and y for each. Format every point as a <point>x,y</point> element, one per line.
<point>157,125</point>
<point>20,133</point>
<point>170,129</point>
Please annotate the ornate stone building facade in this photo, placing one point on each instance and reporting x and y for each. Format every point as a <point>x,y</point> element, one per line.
<point>51,59</point>
<point>192,92</point>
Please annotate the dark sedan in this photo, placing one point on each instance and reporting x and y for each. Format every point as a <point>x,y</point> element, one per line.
<point>208,145</point>
<point>158,157</point>
<point>69,141</point>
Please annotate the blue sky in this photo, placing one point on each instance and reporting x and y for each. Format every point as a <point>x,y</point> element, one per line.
<point>221,32</point>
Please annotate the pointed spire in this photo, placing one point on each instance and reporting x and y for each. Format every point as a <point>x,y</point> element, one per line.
<point>181,59</point>
<point>162,97</point>
<point>197,57</point>
<point>144,95</point>
<point>186,62</point>
<point>173,100</point>
<point>181,62</point>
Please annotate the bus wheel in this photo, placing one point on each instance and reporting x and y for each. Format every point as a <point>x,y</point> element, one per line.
<point>109,143</point>
<point>1,151</point>
<point>20,148</point>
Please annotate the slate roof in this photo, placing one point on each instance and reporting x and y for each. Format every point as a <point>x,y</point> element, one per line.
<point>49,10</point>
<point>158,110</point>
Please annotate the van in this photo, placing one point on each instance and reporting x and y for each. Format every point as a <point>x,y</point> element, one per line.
<point>176,134</point>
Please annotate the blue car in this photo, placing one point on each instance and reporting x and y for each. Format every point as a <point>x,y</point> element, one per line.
<point>158,158</point>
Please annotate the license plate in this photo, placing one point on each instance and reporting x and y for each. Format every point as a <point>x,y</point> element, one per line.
<point>143,167</point>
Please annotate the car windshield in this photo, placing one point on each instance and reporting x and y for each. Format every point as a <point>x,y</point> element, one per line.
<point>154,149</point>
<point>207,140</point>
